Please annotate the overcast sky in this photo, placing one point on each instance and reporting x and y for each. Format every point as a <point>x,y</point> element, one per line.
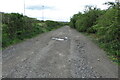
<point>58,10</point>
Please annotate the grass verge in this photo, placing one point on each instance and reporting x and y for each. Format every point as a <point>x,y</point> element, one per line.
<point>109,52</point>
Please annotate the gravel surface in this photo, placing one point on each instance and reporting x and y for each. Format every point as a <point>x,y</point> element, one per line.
<point>63,53</point>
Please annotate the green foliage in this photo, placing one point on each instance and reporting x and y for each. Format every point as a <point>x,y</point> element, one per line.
<point>54,24</point>
<point>105,24</point>
<point>74,19</point>
<point>91,30</point>
<point>16,28</point>
<point>83,22</point>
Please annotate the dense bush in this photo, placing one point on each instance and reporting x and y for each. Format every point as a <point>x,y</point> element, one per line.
<point>82,22</point>
<point>105,24</point>
<point>109,30</point>
<point>16,27</point>
<point>52,24</point>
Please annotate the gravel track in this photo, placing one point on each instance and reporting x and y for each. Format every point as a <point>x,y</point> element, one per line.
<point>42,57</point>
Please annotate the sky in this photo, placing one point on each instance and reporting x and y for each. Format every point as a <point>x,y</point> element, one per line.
<point>57,10</point>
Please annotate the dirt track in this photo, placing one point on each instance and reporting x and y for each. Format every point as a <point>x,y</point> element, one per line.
<point>44,57</point>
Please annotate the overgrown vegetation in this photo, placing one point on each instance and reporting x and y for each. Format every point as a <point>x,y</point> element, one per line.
<point>16,28</point>
<point>104,24</point>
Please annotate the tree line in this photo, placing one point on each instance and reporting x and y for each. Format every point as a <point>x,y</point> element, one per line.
<point>104,24</point>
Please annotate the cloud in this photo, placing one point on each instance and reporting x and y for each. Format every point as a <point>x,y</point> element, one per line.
<point>58,10</point>
<point>39,7</point>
